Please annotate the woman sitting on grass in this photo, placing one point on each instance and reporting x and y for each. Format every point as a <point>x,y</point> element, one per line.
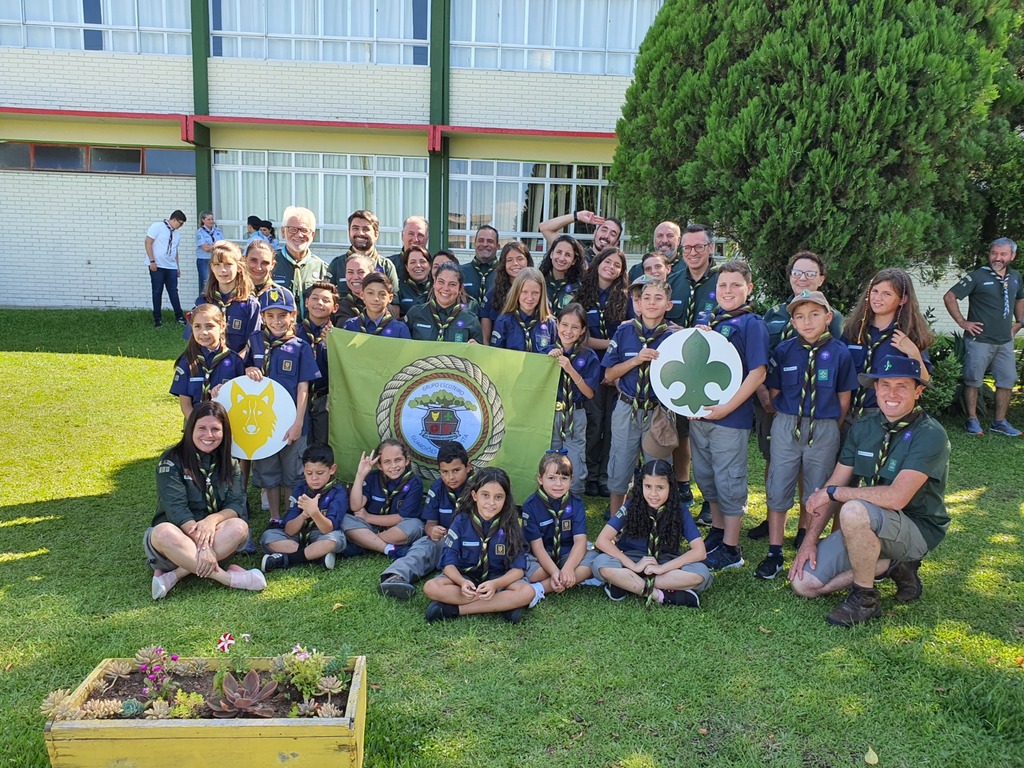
<point>199,505</point>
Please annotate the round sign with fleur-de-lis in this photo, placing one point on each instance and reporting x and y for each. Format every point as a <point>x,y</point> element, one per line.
<point>696,369</point>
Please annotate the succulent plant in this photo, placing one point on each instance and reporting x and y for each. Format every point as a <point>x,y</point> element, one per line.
<point>330,685</point>
<point>67,711</point>
<point>329,710</point>
<point>337,666</point>
<point>101,709</point>
<point>54,700</point>
<point>147,657</point>
<point>117,669</point>
<point>307,708</point>
<point>158,710</point>
<point>247,697</point>
<point>195,666</point>
<point>132,708</point>
<point>187,706</point>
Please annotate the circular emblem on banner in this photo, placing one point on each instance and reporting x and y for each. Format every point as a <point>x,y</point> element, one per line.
<point>695,368</point>
<point>441,398</point>
<point>260,412</point>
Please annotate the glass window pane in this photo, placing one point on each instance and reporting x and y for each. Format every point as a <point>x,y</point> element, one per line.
<point>414,165</point>
<point>59,158</point>
<point>225,195</point>
<point>361,162</point>
<point>540,61</point>
<point>388,53</point>
<point>253,47</point>
<point>307,190</point>
<point>360,22</point>
<point>254,194</point>
<point>458,204</point>
<point>225,157</point>
<point>559,200</point>
<point>460,167</point>
<point>486,58</point>
<point>38,37</point>
<point>461,57</point>
<point>120,13</point>
<point>512,59</point>
<point>586,199</point>
<point>14,155</point>
<point>178,14</point>
<point>567,61</point>
<point>128,42</point>
<point>586,171</point>
<point>595,23</point>
<point>533,211</point>
<point>457,241</point>
<point>389,19</point>
<point>336,161</point>
<point>70,11</point>
<point>619,64</point>
<point>561,171</point>
<point>334,51</point>
<point>307,160</point>
<point>10,10</point>
<point>360,53</point>
<point>69,39</point>
<point>508,169</point>
<point>361,193</point>
<point>481,203</point>
<point>539,30</point>
<point>336,19</point>
<point>513,21</point>
<point>389,163</point>
<point>279,191</point>
<point>462,21</point>
<point>481,168</point>
<point>11,34</point>
<point>487,13</point>
<point>279,49</point>
<point>280,159</point>
<point>414,194</point>
<point>172,162</point>
<point>253,158</point>
<point>620,26</point>
<point>567,23</point>
<point>179,45</point>
<point>111,160</point>
<point>388,202</point>
<point>336,195</point>
<point>508,205</point>
<point>152,42</point>
<point>592,63</point>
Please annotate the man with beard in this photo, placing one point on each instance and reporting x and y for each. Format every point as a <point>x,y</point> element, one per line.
<point>478,276</point>
<point>363,231</point>
<point>296,267</point>
<point>607,234</point>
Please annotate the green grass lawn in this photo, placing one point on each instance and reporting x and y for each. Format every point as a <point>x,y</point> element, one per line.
<point>755,677</point>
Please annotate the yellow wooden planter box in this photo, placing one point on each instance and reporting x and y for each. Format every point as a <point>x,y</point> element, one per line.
<point>335,742</point>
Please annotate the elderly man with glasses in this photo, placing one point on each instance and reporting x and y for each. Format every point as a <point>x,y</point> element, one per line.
<point>297,267</point>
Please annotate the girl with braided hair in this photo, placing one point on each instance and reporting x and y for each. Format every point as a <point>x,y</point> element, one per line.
<point>641,546</point>
<point>484,557</point>
<point>207,361</point>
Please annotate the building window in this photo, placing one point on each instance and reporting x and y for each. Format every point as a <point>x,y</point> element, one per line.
<point>597,37</point>
<point>69,157</point>
<point>125,26</point>
<point>249,182</point>
<point>516,197</point>
<point>379,32</point>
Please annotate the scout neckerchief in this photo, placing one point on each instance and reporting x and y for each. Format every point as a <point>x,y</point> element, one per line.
<point>602,302</point>
<point>787,328</point>
<point>642,399</point>
<point>271,343</point>
<point>691,301</point>
<point>485,531</point>
<point>209,492</point>
<point>417,288</point>
<point>315,335</point>
<point>390,494</point>
<point>722,316</point>
<point>453,496</point>
<point>555,287</point>
<point>1004,281</point>
<point>355,302</point>
<point>653,547</point>
<point>382,322</point>
<point>208,368</point>
<point>809,388</point>
<point>892,429</point>
<point>565,391</point>
<point>435,313</point>
<point>527,326</point>
<point>323,493</point>
<point>861,396</point>
<point>556,507</point>
<point>483,271</point>
<point>220,300</point>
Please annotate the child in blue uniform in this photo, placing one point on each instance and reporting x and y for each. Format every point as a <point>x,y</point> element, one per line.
<point>230,288</point>
<point>386,502</point>
<point>577,383</point>
<point>810,378</point>
<point>641,552</point>
<point>207,361</point>
<point>321,304</point>
<point>438,513</point>
<point>514,258</point>
<point>563,266</point>
<point>312,527</point>
<point>525,324</point>
<point>555,527</point>
<point>718,440</point>
<point>628,360</point>
<point>376,319</point>
<point>278,353</point>
<point>484,557</point>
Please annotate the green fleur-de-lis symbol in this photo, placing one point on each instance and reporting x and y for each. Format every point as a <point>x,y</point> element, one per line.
<point>695,372</point>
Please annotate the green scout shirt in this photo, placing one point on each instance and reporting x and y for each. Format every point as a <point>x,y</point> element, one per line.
<point>777,319</point>
<point>180,499</point>
<point>987,304</point>
<point>298,276</point>
<point>462,328</point>
<point>922,447</point>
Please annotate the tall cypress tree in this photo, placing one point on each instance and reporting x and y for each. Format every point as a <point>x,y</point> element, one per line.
<point>854,129</point>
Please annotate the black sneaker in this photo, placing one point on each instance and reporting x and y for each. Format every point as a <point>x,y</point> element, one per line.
<point>759,531</point>
<point>769,568</point>
<point>181,321</point>
<point>397,587</point>
<point>704,518</point>
<point>801,534</point>
<point>859,606</point>
<point>514,616</point>
<point>685,597</point>
<point>591,488</point>
<point>274,562</point>
<point>908,583</point>
<point>713,540</point>
<point>616,593</point>
<point>158,324</point>
<point>602,490</point>
<point>722,559</point>
<point>275,522</point>
<point>685,492</point>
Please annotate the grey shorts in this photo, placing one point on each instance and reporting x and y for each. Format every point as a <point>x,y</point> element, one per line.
<point>157,561</point>
<point>720,465</point>
<point>575,445</point>
<point>533,564</point>
<point>603,561</point>
<point>274,535</point>
<point>982,357</point>
<point>790,459</point>
<point>412,527</point>
<point>283,468</point>
<point>900,537</point>
<point>628,430</point>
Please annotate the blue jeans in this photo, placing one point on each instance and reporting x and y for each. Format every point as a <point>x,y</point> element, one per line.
<point>159,279</point>
<point>203,268</point>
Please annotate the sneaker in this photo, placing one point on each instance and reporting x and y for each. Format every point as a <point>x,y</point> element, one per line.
<point>602,490</point>
<point>859,606</point>
<point>685,492</point>
<point>798,540</point>
<point>397,552</point>
<point>704,518</point>
<point>759,531</point>
<point>329,560</point>
<point>1003,427</point>
<point>397,587</point>
<point>685,597</point>
<point>591,489</point>
<point>721,559</point>
<point>769,568</point>
<point>264,501</point>
<point>713,540</point>
<point>441,612</point>
<point>615,593</point>
<point>181,321</point>
<point>908,583</point>
<point>514,616</point>
<point>274,562</point>
<point>275,522</point>
<point>974,427</point>
<point>158,324</point>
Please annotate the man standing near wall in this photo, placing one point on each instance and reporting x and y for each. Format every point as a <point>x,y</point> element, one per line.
<point>994,315</point>
<point>296,266</point>
<point>207,234</point>
<point>164,270</point>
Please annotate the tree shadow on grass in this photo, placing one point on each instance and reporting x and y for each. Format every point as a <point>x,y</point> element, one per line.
<point>117,332</point>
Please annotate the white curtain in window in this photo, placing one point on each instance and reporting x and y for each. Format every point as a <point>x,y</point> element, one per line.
<point>119,13</point>
<point>540,26</point>
<point>462,21</point>
<point>388,202</point>
<point>620,25</point>
<point>513,21</point>
<point>279,192</point>
<point>568,23</point>
<point>488,18</point>
<point>394,19</point>
<point>304,17</point>
<point>336,19</point>
<point>336,207</point>
<point>254,196</point>
<point>10,10</point>
<point>360,193</point>
<point>177,13</point>
<point>225,195</point>
<point>595,23</point>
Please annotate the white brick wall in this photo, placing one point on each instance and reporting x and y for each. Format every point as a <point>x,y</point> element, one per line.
<point>95,80</point>
<point>929,294</point>
<point>298,90</point>
<point>82,236</point>
<point>537,100</point>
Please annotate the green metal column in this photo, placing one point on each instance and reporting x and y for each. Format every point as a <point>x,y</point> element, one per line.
<point>440,89</point>
<point>201,102</point>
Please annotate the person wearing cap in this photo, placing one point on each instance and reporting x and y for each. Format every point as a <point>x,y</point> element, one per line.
<point>254,230</point>
<point>164,269</point>
<point>890,486</point>
<point>207,234</point>
<point>811,377</point>
<point>277,353</point>
<point>995,313</point>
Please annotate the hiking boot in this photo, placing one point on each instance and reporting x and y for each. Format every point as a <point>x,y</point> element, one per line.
<point>704,518</point>
<point>769,568</point>
<point>615,593</point>
<point>908,583</point>
<point>591,488</point>
<point>859,606</point>
<point>722,559</point>
<point>1003,427</point>
<point>274,562</point>
<point>973,427</point>
<point>759,531</point>
<point>685,597</point>
<point>397,587</point>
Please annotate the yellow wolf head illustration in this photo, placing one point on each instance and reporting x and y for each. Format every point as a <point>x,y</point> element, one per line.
<point>252,418</point>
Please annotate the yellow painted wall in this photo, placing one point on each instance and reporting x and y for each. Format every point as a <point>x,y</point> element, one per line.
<point>317,140</point>
<point>539,148</point>
<point>92,132</point>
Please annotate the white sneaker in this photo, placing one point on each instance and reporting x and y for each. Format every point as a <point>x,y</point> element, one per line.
<point>264,501</point>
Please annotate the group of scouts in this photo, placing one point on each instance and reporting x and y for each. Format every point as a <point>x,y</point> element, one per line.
<point>834,404</point>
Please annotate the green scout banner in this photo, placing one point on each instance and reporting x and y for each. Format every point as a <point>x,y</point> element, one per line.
<point>498,403</point>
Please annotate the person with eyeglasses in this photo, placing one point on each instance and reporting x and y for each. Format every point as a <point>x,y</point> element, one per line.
<point>164,270</point>
<point>297,267</point>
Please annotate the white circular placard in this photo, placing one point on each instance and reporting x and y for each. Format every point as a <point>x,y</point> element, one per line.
<point>260,412</point>
<point>695,368</point>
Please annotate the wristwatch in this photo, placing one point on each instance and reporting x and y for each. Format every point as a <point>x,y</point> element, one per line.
<point>831,492</point>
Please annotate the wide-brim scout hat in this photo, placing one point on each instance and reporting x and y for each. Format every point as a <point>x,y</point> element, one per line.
<point>894,367</point>
<point>814,297</point>
<point>277,298</point>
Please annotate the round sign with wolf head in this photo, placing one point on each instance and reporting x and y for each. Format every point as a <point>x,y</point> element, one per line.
<point>260,412</point>
<point>695,368</point>
<point>442,398</point>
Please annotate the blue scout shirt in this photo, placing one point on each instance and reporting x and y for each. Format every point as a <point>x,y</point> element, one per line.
<point>406,495</point>
<point>290,364</point>
<point>509,334</point>
<point>242,320</point>
<point>589,367</point>
<point>780,324</point>
<point>187,382</point>
<point>442,503</point>
<point>462,549</point>
<point>596,321</point>
<point>206,236</point>
<point>633,546</point>
<point>474,281</point>
<point>333,504</point>
<point>749,335</point>
<point>316,337</point>
<point>393,328</point>
<point>859,353</point>
<point>625,345</point>
<point>835,373</point>
<point>539,522</point>
<point>487,308</point>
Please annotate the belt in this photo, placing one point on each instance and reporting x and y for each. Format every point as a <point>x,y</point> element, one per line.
<point>645,405</point>
<point>561,406</point>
